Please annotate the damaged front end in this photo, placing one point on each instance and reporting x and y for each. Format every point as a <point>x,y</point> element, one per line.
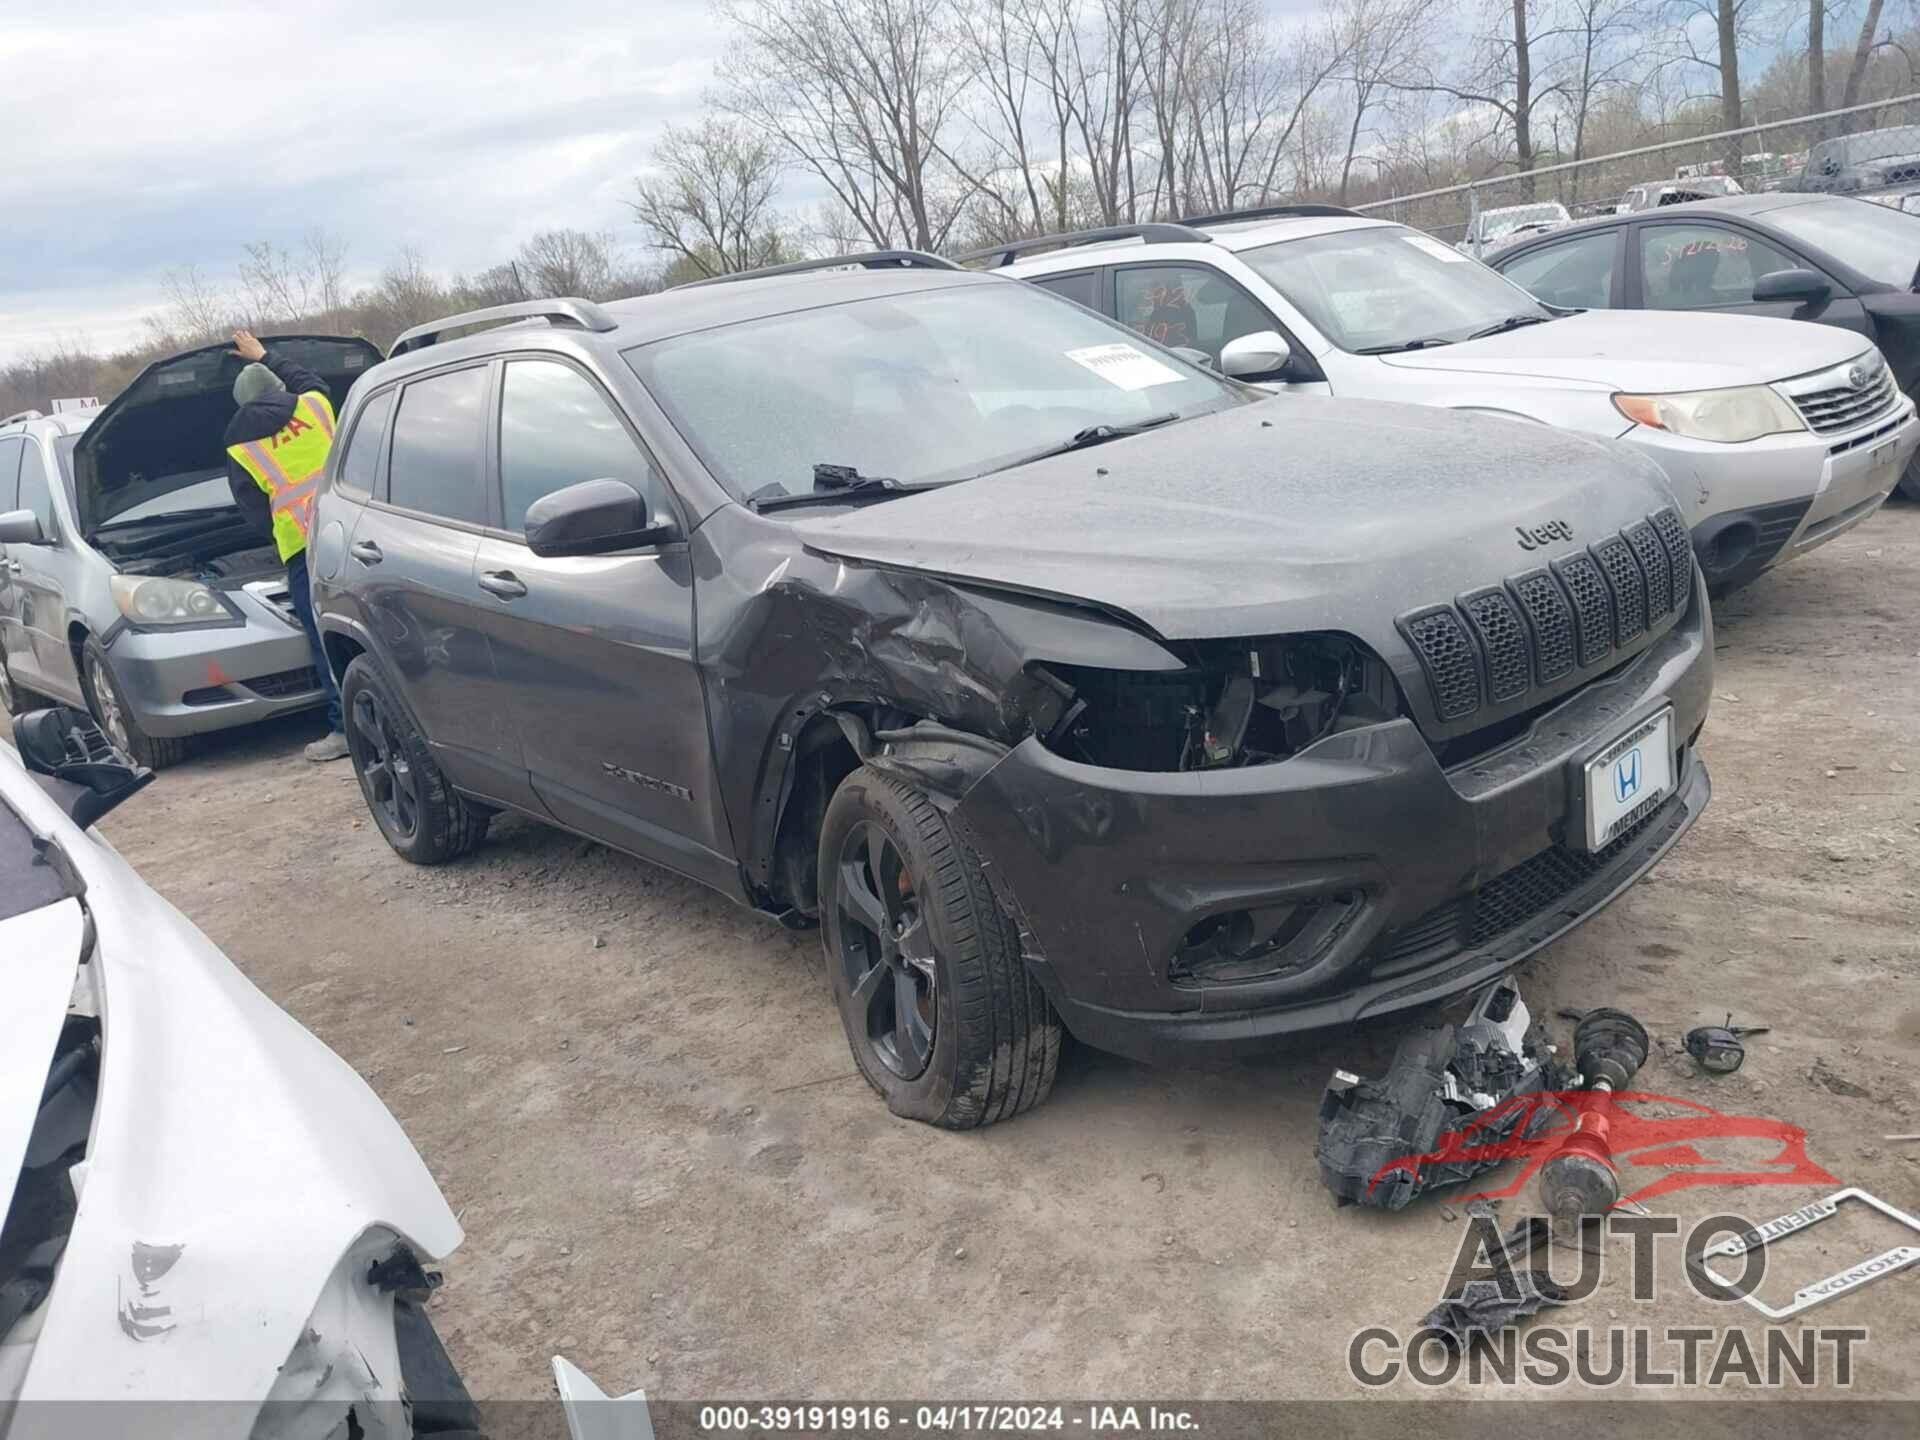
<point>214,1216</point>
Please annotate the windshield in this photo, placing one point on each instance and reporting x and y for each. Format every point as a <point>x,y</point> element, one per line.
<point>1496,223</point>
<point>1873,145</point>
<point>214,494</point>
<point>1881,243</point>
<point>1386,287</point>
<point>919,388</point>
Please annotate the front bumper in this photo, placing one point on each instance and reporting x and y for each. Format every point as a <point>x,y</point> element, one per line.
<point>188,682</point>
<point>1443,878</point>
<point>1752,506</point>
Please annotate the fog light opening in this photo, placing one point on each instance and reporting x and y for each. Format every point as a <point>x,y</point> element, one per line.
<point>1254,943</point>
<point>1732,547</point>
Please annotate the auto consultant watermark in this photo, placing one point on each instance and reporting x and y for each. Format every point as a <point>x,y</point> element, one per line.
<point>1481,1333</point>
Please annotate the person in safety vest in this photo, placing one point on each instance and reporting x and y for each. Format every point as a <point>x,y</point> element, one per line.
<point>277,445</point>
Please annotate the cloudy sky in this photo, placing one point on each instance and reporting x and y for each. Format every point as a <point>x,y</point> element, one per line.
<point>137,140</point>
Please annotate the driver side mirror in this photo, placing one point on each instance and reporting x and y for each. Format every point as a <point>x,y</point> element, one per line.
<point>594,517</point>
<point>22,527</point>
<point>1798,284</point>
<point>1262,353</point>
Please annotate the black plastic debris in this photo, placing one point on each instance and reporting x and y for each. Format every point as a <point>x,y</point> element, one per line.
<point>1378,1136</point>
<point>1486,1306</point>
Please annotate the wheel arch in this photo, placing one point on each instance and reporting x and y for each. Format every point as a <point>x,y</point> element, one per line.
<point>823,744</point>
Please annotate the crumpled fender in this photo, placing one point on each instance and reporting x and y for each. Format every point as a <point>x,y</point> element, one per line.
<point>234,1161</point>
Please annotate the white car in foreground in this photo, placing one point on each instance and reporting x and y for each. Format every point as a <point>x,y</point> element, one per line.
<point>1775,435</point>
<point>211,1221</point>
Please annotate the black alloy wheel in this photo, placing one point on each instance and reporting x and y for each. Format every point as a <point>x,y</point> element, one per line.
<point>886,951</point>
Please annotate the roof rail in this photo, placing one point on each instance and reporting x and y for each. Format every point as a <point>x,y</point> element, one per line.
<point>866,260</point>
<point>1271,212</point>
<point>1156,233</point>
<point>574,314</point>
<point>23,415</point>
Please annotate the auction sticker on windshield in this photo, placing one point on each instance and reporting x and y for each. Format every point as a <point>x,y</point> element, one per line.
<point>1124,366</point>
<point>1628,780</point>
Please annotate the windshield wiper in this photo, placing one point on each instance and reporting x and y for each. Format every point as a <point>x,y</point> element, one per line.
<point>1427,344</point>
<point>838,484</point>
<point>1512,322</point>
<point>1092,435</point>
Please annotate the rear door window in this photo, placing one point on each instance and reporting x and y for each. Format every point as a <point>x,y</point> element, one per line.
<point>557,429</point>
<point>1573,274</point>
<point>437,438</point>
<point>1698,267</point>
<point>360,462</point>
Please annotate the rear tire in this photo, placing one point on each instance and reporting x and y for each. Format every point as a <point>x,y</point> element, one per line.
<point>941,1012</point>
<point>423,818</point>
<point>115,717</point>
<point>13,700</point>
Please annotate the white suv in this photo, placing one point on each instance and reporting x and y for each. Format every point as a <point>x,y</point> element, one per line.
<point>1775,435</point>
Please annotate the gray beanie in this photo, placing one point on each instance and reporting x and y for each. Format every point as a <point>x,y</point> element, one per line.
<point>254,381</point>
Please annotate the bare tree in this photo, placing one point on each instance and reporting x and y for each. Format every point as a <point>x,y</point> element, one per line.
<point>1863,49</point>
<point>862,93</point>
<point>567,262</point>
<point>710,204</point>
<point>197,309</point>
<point>1380,43</point>
<point>273,286</point>
<point>325,255</point>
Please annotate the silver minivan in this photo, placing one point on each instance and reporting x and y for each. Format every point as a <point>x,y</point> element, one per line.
<point>130,583</point>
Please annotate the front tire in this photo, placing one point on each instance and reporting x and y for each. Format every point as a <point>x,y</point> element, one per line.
<point>1909,485</point>
<point>115,717</point>
<point>424,819</point>
<point>941,1012</point>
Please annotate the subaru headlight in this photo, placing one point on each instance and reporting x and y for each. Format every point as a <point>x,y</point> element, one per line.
<point>1745,412</point>
<point>157,600</point>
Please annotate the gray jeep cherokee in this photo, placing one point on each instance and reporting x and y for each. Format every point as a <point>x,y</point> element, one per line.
<point>1061,682</point>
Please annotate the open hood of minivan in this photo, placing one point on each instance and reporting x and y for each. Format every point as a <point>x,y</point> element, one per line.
<point>164,432</point>
<point>1648,351</point>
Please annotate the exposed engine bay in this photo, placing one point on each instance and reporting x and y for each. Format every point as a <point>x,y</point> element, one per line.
<point>212,541</point>
<point>1237,702</point>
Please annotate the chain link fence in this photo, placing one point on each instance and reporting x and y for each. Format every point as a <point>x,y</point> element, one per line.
<point>1871,150</point>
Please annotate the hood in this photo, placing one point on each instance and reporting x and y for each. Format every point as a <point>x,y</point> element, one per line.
<point>1298,513</point>
<point>165,431</point>
<point>234,1160</point>
<point>1648,351</point>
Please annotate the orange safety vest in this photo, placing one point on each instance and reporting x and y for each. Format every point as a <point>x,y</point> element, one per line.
<point>287,465</point>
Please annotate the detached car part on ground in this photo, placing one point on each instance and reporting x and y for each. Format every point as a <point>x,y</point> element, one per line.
<point>211,1222</point>
<point>1059,680</point>
<point>1775,437</point>
<point>131,585</point>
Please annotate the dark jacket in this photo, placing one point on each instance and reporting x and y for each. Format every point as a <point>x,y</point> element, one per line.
<point>258,419</point>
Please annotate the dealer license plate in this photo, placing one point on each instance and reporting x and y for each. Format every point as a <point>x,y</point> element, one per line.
<point>1628,780</point>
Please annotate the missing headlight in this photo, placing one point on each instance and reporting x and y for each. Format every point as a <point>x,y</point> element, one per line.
<point>1238,702</point>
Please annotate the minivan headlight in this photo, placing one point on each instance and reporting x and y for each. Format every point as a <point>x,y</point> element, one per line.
<point>1745,412</point>
<point>157,600</point>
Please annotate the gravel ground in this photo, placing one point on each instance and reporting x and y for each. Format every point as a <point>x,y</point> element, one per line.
<point>639,1098</point>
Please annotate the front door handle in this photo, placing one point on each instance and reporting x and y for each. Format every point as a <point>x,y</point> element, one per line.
<point>14,566</point>
<point>366,552</point>
<point>503,583</point>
